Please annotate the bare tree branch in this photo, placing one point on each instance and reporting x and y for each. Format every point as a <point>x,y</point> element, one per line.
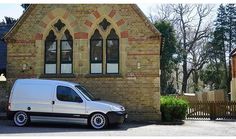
<point>189,21</point>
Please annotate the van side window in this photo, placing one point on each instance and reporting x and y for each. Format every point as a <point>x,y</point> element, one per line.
<point>67,94</point>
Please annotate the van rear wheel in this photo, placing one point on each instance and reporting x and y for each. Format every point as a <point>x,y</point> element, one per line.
<point>21,118</point>
<point>98,121</point>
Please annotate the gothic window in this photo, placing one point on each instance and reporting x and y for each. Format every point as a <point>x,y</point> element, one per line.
<point>112,52</point>
<point>50,53</point>
<point>59,50</point>
<point>96,44</point>
<point>110,57</point>
<point>66,52</point>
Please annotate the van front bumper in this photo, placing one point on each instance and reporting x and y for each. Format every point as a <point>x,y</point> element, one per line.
<point>117,117</point>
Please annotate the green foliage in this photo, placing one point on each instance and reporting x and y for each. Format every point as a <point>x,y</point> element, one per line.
<point>8,21</point>
<point>5,86</point>
<point>173,109</point>
<point>167,62</point>
<point>170,88</point>
<point>217,73</point>
<point>212,76</point>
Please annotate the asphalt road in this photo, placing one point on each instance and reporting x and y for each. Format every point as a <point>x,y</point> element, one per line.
<point>190,128</point>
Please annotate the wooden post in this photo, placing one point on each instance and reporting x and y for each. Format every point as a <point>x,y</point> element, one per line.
<point>212,111</point>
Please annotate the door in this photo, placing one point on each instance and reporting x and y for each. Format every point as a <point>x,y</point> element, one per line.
<point>33,97</point>
<point>67,101</point>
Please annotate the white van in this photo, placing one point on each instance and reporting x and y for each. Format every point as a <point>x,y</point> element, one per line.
<point>37,99</point>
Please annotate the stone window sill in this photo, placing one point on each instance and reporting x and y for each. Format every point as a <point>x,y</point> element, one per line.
<point>103,76</point>
<point>57,76</point>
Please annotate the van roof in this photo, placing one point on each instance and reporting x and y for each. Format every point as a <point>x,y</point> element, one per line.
<point>46,81</point>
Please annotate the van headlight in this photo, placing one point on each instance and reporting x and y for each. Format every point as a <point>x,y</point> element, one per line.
<point>115,108</point>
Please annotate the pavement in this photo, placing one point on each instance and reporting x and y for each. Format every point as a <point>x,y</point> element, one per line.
<point>189,128</point>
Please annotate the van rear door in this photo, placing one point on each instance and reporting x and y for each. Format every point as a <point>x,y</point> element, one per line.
<point>33,97</point>
<point>68,101</point>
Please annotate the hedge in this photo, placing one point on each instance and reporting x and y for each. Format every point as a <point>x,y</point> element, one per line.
<point>173,109</point>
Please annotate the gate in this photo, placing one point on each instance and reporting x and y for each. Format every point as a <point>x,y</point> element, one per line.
<point>212,110</point>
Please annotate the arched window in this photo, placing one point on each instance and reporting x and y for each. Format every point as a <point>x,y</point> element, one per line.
<point>112,52</point>
<point>66,55</point>
<point>58,50</point>
<point>96,44</point>
<point>50,54</point>
<point>111,46</point>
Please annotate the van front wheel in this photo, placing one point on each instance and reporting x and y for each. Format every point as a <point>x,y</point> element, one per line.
<point>21,118</point>
<point>98,121</point>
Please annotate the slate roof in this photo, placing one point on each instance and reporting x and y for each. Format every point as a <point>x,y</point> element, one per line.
<point>3,47</point>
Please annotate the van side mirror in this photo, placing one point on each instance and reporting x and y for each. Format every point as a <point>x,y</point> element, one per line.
<point>78,99</point>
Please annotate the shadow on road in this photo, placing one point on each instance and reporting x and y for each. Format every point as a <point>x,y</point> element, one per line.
<point>7,127</point>
<point>218,120</point>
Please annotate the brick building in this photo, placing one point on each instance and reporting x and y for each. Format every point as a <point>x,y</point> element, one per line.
<point>4,28</point>
<point>233,73</point>
<point>111,49</point>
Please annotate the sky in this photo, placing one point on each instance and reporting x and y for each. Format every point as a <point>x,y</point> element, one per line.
<point>11,10</point>
<point>15,10</point>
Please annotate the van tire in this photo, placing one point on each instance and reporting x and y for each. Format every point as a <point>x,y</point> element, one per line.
<point>98,121</point>
<point>21,119</point>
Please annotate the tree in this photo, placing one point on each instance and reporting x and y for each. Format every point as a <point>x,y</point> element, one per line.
<point>10,20</point>
<point>224,41</point>
<point>25,6</point>
<point>213,72</point>
<point>230,35</point>
<point>191,30</point>
<point>217,73</point>
<point>167,63</point>
<point>212,77</point>
<point>198,58</point>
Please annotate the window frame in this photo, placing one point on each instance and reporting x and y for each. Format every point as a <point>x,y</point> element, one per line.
<point>71,89</point>
<point>90,54</point>
<point>61,56</point>
<point>116,62</point>
<point>104,54</point>
<point>45,57</point>
<point>112,36</point>
<point>59,40</point>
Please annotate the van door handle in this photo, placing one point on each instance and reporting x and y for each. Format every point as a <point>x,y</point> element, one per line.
<point>53,102</point>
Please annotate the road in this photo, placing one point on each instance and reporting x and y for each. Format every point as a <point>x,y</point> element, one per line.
<point>190,128</point>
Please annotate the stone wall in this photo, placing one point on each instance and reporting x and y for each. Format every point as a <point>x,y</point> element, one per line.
<point>137,87</point>
<point>4,95</point>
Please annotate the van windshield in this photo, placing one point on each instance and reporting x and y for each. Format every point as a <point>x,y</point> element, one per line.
<point>86,93</point>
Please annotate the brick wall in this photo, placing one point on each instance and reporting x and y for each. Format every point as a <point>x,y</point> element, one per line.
<point>233,81</point>
<point>137,87</point>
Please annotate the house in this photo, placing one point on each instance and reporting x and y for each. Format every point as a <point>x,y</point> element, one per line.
<point>4,28</point>
<point>233,73</point>
<point>112,49</point>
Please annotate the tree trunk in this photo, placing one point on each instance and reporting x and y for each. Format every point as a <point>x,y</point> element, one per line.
<point>230,47</point>
<point>195,80</point>
<point>226,71</point>
<point>163,81</point>
<point>177,78</point>
<point>185,76</point>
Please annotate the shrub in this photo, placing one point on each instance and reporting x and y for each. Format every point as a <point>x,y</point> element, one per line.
<point>173,109</point>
